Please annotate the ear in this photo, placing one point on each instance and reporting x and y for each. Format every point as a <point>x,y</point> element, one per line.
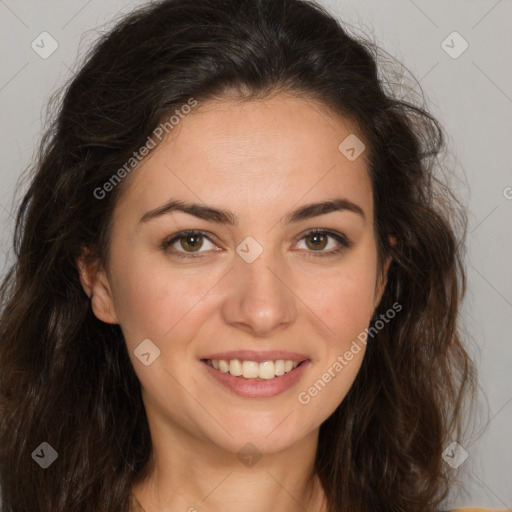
<point>96,285</point>
<point>383,278</point>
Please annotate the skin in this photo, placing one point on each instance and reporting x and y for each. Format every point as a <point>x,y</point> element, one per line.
<point>259,159</point>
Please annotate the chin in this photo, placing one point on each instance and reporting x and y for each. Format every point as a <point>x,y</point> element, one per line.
<point>262,437</point>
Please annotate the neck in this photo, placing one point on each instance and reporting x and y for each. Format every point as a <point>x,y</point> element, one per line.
<point>192,475</point>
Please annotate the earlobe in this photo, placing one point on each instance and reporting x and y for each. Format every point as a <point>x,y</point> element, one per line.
<point>96,286</point>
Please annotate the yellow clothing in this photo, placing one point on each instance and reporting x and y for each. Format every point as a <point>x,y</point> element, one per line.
<point>477,509</point>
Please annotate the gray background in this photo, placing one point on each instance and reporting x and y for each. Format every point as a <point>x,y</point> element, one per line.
<point>471,95</point>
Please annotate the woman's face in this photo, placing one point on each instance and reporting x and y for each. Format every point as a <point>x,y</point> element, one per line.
<point>253,285</point>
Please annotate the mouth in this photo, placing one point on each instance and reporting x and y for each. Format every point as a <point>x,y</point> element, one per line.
<point>253,370</point>
<point>256,379</point>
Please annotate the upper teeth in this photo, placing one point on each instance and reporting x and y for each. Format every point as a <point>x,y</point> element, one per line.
<point>252,369</point>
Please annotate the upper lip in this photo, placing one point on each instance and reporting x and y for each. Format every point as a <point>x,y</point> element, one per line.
<point>257,356</point>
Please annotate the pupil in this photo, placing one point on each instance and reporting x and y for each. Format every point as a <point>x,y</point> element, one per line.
<point>318,240</point>
<point>192,242</point>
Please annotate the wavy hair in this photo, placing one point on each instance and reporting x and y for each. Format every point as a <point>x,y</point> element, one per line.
<point>66,377</point>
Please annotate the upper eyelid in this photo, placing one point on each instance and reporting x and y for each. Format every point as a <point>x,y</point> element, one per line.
<point>173,238</point>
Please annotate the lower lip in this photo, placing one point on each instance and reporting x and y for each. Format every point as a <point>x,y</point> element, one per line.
<point>252,388</point>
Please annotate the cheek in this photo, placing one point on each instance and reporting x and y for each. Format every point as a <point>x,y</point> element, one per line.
<point>344,296</point>
<point>346,305</point>
<point>151,299</point>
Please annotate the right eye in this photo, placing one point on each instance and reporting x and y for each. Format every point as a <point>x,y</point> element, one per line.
<point>185,243</point>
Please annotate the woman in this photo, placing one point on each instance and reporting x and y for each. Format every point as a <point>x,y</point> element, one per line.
<point>237,279</point>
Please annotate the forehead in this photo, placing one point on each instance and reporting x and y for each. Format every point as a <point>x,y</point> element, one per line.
<point>254,154</point>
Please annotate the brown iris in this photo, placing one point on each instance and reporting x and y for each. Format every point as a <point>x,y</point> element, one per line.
<point>191,243</point>
<point>318,241</point>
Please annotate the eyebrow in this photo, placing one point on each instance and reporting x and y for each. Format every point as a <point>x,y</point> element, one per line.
<point>221,216</point>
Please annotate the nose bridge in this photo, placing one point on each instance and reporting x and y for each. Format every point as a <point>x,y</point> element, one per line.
<point>258,297</point>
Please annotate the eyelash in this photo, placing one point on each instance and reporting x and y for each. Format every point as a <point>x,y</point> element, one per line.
<point>344,242</point>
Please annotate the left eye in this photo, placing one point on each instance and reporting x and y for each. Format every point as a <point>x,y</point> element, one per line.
<point>324,242</point>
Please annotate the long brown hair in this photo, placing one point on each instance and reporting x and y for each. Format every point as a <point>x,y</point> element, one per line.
<point>66,378</point>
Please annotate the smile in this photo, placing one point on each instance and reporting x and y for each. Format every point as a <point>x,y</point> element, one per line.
<point>252,379</point>
<point>265,370</point>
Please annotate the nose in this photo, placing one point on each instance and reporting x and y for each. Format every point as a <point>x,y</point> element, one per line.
<point>259,300</point>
